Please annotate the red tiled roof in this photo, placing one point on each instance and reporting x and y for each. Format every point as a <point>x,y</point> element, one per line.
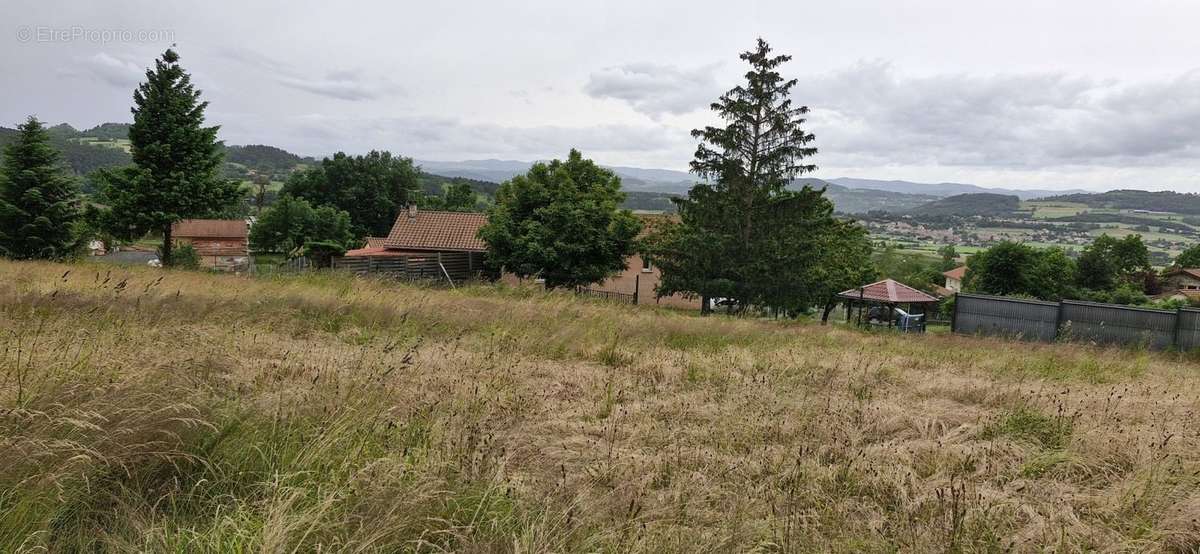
<point>430,230</point>
<point>211,228</point>
<point>375,242</point>
<point>1193,272</point>
<point>369,251</point>
<point>889,291</point>
<point>956,273</point>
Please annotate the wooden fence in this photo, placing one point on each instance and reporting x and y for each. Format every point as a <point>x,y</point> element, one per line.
<point>619,297</point>
<point>978,314</point>
<point>452,268</point>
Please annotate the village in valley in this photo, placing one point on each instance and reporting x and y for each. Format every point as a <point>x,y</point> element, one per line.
<point>220,335</point>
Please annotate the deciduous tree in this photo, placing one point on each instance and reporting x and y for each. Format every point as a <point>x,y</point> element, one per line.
<point>373,188</point>
<point>561,221</point>
<point>1016,269</point>
<point>1189,257</point>
<point>292,223</point>
<point>1109,262</point>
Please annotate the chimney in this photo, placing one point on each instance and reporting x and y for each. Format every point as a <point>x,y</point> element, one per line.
<point>412,211</point>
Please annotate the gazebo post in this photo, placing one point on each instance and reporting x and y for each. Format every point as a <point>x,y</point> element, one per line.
<point>861,293</point>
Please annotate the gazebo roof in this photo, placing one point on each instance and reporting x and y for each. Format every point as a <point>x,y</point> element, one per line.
<point>888,291</point>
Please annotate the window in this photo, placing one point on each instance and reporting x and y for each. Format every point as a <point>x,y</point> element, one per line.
<point>646,265</point>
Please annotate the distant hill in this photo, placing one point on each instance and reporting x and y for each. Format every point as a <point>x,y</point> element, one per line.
<point>632,178</point>
<point>495,171</point>
<point>1160,201</point>
<point>263,158</point>
<point>109,131</point>
<point>81,157</point>
<point>974,204</point>
<point>944,189</point>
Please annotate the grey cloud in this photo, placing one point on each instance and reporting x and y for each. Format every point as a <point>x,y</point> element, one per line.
<point>341,84</point>
<point>106,68</point>
<point>871,114</point>
<point>656,90</point>
<point>445,138</point>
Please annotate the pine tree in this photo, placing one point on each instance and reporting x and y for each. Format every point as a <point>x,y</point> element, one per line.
<point>743,235</point>
<point>176,160</point>
<point>39,199</point>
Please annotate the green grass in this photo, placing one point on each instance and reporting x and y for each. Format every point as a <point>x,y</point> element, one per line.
<point>1027,424</point>
<point>167,411</point>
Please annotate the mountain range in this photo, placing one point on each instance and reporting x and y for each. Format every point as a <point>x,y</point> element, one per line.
<point>678,182</point>
<point>106,145</point>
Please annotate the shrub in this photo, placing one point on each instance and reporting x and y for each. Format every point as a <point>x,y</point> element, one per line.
<point>184,256</point>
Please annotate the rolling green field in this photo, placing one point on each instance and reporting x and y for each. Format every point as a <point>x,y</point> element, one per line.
<point>1048,210</point>
<point>120,144</point>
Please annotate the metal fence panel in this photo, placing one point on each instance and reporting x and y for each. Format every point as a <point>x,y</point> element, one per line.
<point>1109,324</point>
<point>1011,317</point>
<point>1188,334</point>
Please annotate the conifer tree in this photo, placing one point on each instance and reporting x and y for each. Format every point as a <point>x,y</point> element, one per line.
<point>743,235</point>
<point>39,199</point>
<point>176,160</point>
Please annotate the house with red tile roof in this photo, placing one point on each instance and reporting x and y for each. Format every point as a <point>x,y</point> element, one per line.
<point>1182,283</point>
<point>954,278</point>
<point>425,243</point>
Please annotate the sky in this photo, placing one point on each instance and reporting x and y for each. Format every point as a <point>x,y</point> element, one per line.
<point>1021,94</point>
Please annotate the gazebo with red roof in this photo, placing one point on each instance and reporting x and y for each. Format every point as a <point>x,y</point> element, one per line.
<point>891,294</point>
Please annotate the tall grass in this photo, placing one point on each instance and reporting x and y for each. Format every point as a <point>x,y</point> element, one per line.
<point>143,410</point>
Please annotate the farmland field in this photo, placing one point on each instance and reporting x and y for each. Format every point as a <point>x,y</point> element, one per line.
<point>143,410</point>
<point>1047,209</point>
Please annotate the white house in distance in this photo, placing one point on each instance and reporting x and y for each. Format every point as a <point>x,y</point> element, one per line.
<point>954,278</point>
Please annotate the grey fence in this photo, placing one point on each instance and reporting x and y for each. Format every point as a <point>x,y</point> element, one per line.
<point>451,267</point>
<point>1013,318</point>
<point>977,314</point>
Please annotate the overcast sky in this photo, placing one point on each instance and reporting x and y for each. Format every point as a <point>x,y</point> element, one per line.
<point>1053,94</point>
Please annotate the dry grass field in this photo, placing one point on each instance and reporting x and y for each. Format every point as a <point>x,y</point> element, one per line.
<point>156,411</point>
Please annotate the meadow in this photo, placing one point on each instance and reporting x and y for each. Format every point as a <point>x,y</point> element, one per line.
<point>167,411</point>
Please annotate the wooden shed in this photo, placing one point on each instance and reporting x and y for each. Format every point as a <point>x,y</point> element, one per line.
<point>424,244</point>
<point>221,243</point>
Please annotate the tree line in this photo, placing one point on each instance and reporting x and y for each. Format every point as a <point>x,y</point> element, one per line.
<point>174,170</point>
<point>740,236</point>
<point>1110,269</point>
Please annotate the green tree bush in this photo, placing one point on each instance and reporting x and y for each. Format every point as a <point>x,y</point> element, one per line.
<point>291,223</point>
<point>1016,269</point>
<point>1189,257</point>
<point>1109,262</point>
<point>561,221</point>
<point>183,256</point>
<point>373,188</point>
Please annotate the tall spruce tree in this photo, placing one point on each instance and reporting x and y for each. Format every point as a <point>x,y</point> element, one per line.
<point>176,160</point>
<point>742,235</point>
<point>39,199</point>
